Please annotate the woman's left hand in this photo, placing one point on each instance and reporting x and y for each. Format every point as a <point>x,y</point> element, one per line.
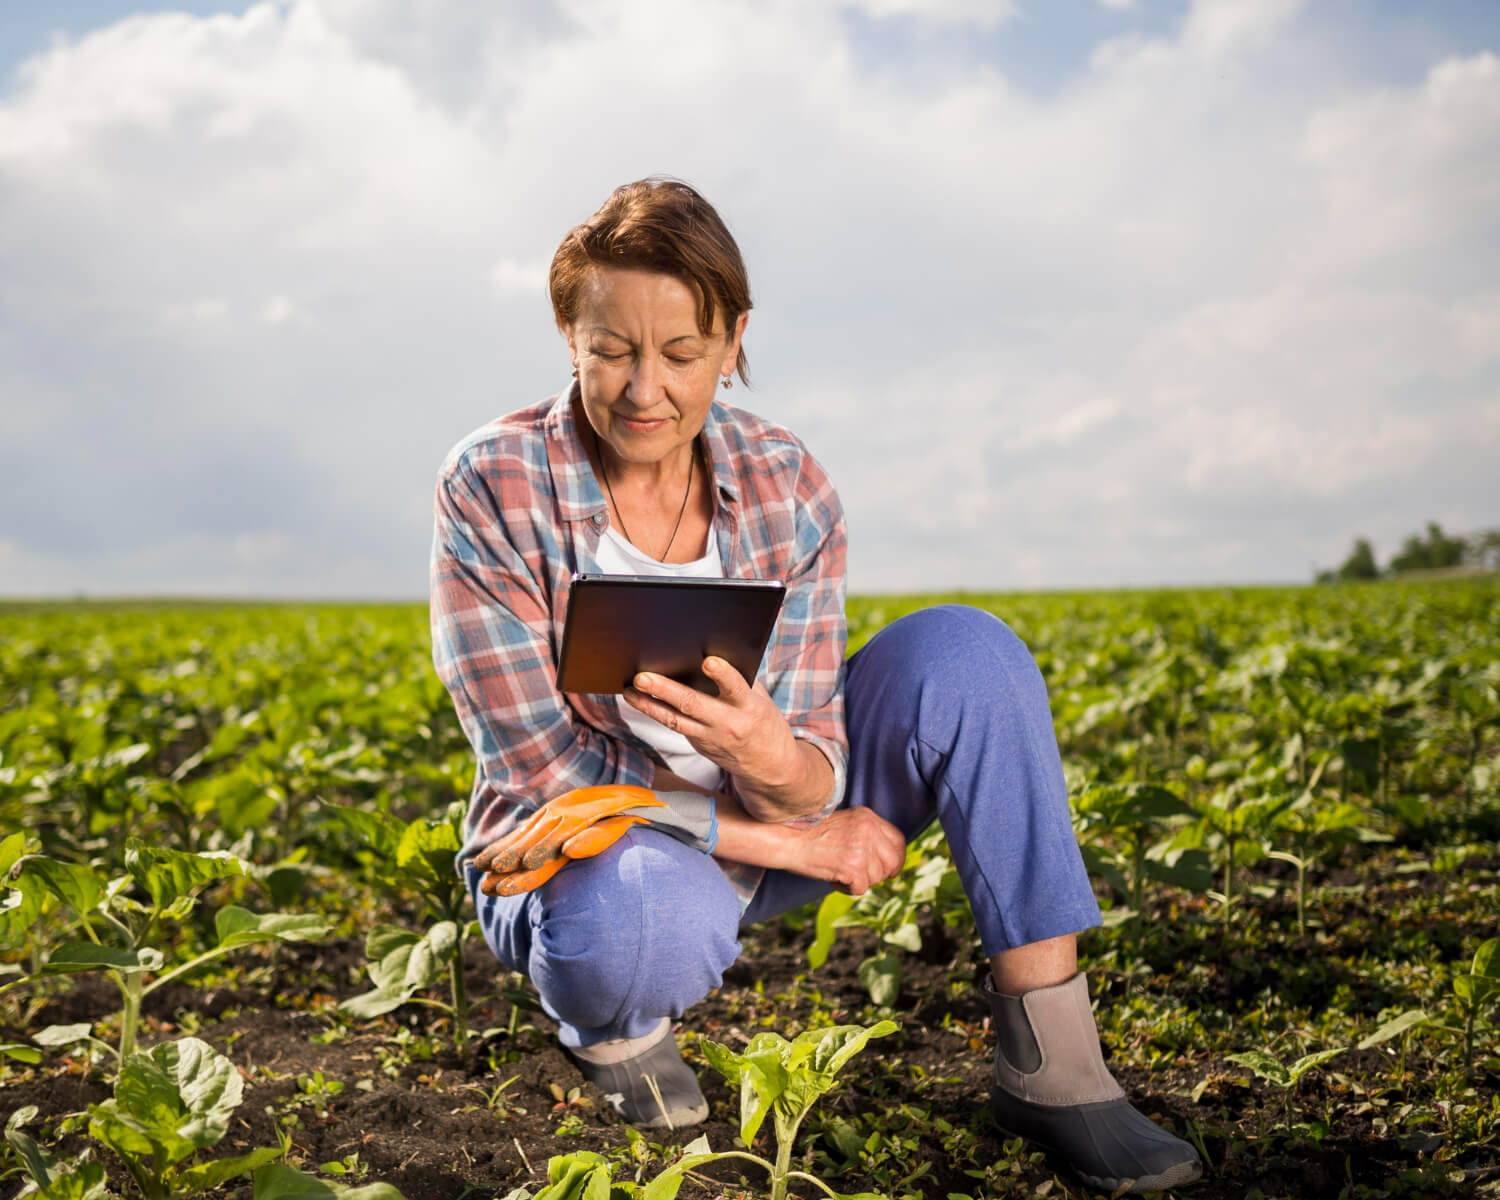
<point>740,730</point>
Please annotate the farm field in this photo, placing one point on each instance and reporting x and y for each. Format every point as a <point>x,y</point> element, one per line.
<point>236,960</point>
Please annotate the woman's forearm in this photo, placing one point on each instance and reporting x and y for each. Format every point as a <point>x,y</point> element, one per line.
<point>742,837</point>
<point>805,789</point>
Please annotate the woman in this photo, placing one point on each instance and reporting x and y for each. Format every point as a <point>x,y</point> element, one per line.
<point>819,773</point>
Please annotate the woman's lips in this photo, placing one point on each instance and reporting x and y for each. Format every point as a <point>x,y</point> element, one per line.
<point>642,425</point>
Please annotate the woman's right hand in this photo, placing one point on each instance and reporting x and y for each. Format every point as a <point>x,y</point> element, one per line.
<point>852,848</point>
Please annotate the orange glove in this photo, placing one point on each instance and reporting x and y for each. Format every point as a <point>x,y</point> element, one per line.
<point>577,824</point>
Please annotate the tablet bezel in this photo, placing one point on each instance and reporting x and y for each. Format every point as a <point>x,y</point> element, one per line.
<point>619,625</point>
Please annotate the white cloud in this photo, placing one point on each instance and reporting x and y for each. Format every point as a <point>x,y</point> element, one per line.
<point>1200,314</point>
<point>984,14</point>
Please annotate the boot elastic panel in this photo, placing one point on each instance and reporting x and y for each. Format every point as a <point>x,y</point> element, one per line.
<point>1047,1045</point>
<point>1109,1145</point>
<point>653,1090</point>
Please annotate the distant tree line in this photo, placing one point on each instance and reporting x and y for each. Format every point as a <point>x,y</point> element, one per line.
<point>1433,550</point>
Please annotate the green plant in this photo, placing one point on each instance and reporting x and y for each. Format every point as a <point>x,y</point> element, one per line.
<point>277,1181</point>
<point>1476,990</point>
<point>169,1104</point>
<point>1119,824</point>
<point>82,1179</point>
<point>1283,1075</point>
<point>417,857</point>
<point>496,1102</point>
<point>890,910</point>
<point>783,1080</point>
<point>170,881</point>
<point>1401,1025</point>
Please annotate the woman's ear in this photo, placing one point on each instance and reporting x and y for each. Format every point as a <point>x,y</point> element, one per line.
<point>572,345</point>
<point>736,335</point>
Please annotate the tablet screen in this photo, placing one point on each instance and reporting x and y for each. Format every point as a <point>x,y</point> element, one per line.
<point>620,625</point>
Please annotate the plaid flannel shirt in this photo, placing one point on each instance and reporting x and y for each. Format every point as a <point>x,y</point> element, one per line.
<point>518,511</point>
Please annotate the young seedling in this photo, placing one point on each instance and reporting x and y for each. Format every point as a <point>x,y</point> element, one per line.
<point>890,910</point>
<point>170,880</point>
<point>416,857</point>
<point>1283,1075</point>
<point>169,1104</point>
<point>82,1179</point>
<point>783,1080</point>
<point>1118,825</point>
<point>1314,824</point>
<point>1476,991</point>
<point>1400,1026</point>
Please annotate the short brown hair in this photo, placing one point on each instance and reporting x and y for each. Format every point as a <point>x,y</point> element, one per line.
<point>660,225</point>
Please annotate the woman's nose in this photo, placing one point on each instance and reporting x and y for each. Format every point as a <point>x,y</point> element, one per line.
<point>644,380</point>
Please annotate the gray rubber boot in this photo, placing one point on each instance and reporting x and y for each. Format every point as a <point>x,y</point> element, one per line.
<point>1052,1088</point>
<point>653,1090</point>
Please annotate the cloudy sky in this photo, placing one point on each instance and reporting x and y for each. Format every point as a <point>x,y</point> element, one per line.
<point>1062,292</point>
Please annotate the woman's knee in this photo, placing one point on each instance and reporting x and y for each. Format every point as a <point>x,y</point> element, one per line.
<point>649,926</point>
<point>954,647</point>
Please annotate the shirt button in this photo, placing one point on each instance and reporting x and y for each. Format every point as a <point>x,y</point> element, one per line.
<point>598,520</point>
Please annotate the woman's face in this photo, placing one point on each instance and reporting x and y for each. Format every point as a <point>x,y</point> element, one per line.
<point>646,372</point>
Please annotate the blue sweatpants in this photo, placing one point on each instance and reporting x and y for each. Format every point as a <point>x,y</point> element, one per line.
<point>947,717</point>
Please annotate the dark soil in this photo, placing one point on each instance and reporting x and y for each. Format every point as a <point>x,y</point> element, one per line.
<point>417,1115</point>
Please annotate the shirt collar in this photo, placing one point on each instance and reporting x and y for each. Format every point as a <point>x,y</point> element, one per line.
<point>579,495</point>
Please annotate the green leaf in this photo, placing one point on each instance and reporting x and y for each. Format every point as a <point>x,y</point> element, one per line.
<point>1487,960</point>
<point>570,1175</point>
<point>168,875</point>
<point>881,975</point>
<point>83,1180</point>
<point>78,886</point>
<point>202,1176</point>
<point>382,939</point>
<point>63,1035</point>
<point>168,1103</point>
<point>240,927</point>
<point>833,906</point>
<point>906,936</point>
<point>1308,1061</point>
<point>1265,1065</point>
<point>757,1073</point>
<point>1396,1026</point>
<point>426,852</point>
<point>833,1048</point>
<point>21,1052</point>
<point>380,832</point>
<point>369,1005</point>
<point>277,1181</point>
<point>1475,989</point>
<point>37,1163</point>
<point>72,957</point>
<point>11,850</point>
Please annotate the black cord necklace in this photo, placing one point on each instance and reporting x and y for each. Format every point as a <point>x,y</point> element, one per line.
<point>615,504</point>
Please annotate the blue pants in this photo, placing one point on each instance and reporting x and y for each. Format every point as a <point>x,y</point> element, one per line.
<point>947,716</point>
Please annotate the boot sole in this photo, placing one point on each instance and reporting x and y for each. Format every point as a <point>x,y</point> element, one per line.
<point>1174,1176</point>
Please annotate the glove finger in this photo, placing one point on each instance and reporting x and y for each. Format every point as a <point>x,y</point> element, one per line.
<point>591,803</point>
<point>518,882</point>
<point>599,836</point>
<point>549,847</point>
<point>533,832</point>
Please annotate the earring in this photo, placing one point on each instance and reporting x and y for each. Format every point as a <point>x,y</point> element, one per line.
<point>726,383</point>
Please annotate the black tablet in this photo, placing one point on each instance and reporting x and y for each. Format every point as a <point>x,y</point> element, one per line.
<point>619,625</point>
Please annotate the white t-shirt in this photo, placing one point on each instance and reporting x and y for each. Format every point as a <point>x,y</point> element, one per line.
<point>616,556</point>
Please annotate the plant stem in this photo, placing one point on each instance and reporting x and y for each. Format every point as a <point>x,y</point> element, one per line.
<point>1228,878</point>
<point>1469,1042</point>
<point>1302,891</point>
<point>130,1014</point>
<point>460,1001</point>
<point>782,1168</point>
